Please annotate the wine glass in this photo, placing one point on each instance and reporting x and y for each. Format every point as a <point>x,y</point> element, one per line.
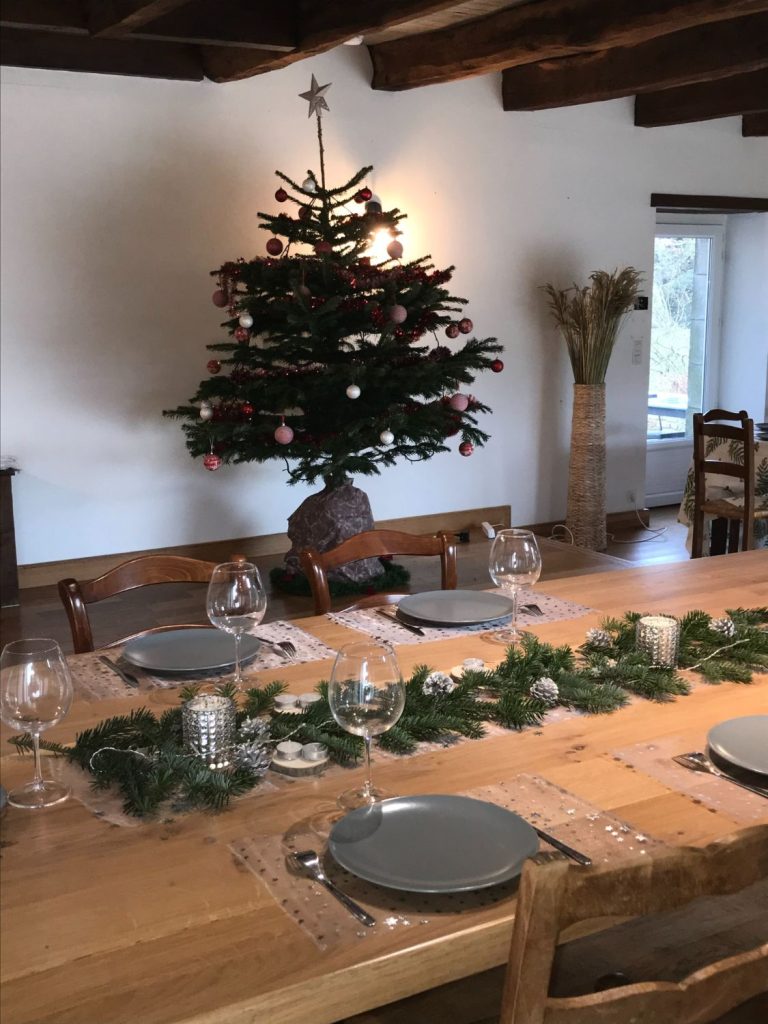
<point>366,695</point>
<point>235,602</point>
<point>35,693</point>
<point>514,563</point>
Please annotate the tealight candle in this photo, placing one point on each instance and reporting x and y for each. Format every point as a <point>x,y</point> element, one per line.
<point>288,750</point>
<point>208,727</point>
<point>473,664</point>
<point>285,700</point>
<point>658,636</point>
<point>307,699</point>
<point>314,751</point>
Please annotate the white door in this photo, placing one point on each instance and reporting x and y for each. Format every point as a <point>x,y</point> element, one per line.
<point>685,348</point>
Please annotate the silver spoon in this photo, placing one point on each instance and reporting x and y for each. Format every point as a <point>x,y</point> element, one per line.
<point>697,762</point>
<point>309,861</point>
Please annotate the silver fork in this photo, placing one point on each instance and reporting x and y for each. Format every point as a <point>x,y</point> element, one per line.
<point>309,862</point>
<point>697,762</point>
<point>285,647</point>
<point>127,677</point>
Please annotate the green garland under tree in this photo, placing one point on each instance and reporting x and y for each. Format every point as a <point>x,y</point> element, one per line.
<point>143,757</point>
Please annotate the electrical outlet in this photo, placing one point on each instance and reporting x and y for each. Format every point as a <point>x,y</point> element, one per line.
<point>637,351</point>
<point>632,498</point>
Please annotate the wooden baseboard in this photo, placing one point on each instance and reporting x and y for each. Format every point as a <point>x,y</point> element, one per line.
<point>41,574</point>
<point>614,521</point>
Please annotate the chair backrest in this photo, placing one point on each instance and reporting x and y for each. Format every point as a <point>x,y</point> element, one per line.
<point>372,544</point>
<point>554,897</point>
<point>717,424</point>
<point>138,572</point>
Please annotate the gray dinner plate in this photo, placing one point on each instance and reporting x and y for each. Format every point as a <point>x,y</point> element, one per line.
<point>433,843</point>
<point>454,607</point>
<point>188,650</point>
<point>743,742</point>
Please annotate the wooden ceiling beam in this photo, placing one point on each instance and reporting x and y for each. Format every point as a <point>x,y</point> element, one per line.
<point>323,25</point>
<point>682,58</point>
<point>227,23</point>
<point>62,52</point>
<point>727,97</point>
<point>44,15</point>
<point>754,125</point>
<point>543,30</point>
<point>121,17</point>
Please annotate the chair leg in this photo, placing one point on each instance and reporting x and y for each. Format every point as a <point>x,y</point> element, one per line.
<point>719,536</point>
<point>734,533</point>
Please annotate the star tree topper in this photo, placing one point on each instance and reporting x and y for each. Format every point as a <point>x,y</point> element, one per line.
<point>315,96</point>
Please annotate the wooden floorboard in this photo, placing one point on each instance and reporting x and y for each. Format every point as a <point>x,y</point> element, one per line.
<point>41,614</point>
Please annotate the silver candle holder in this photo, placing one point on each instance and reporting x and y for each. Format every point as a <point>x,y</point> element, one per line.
<point>208,725</point>
<point>658,636</point>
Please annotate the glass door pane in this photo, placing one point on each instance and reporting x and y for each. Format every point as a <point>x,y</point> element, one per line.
<point>681,284</point>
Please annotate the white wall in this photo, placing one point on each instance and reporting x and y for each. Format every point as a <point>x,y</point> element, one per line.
<point>744,358</point>
<point>121,194</point>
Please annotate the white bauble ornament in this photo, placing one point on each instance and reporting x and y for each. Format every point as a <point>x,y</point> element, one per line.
<point>386,437</point>
<point>246,320</point>
<point>206,411</point>
<point>309,185</point>
<point>353,391</point>
<point>395,249</point>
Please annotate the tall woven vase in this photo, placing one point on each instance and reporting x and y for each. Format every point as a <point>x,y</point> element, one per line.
<point>586,470</point>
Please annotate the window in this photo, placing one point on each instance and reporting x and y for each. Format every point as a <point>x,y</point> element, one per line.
<point>684,342</point>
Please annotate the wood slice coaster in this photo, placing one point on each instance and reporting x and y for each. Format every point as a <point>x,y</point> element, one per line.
<point>298,768</point>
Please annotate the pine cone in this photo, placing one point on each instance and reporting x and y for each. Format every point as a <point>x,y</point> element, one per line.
<point>725,626</point>
<point>545,689</point>
<point>437,684</point>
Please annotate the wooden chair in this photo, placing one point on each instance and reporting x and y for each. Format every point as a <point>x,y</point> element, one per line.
<point>557,902</point>
<point>715,423</point>
<point>138,572</point>
<point>372,544</point>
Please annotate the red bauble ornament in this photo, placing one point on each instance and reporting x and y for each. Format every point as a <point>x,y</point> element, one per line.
<point>305,212</point>
<point>466,448</point>
<point>213,366</point>
<point>458,402</point>
<point>497,366</point>
<point>397,313</point>
<point>274,247</point>
<point>323,247</point>
<point>219,298</point>
<point>211,461</point>
<point>452,331</point>
<point>281,195</point>
<point>365,193</point>
<point>465,325</point>
<point>246,409</point>
<point>283,434</point>
<point>242,334</point>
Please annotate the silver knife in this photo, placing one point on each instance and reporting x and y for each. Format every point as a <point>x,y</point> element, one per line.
<point>569,851</point>
<point>399,622</point>
<point>127,678</point>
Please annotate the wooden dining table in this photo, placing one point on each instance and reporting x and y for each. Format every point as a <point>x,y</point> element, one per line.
<point>160,924</point>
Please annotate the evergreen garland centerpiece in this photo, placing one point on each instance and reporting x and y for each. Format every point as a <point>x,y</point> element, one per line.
<point>334,364</point>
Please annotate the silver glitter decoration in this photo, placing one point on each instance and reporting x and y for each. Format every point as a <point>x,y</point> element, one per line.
<point>726,627</point>
<point>437,684</point>
<point>254,729</point>
<point>658,636</point>
<point>255,755</point>
<point>599,638</point>
<point>208,724</point>
<point>545,689</point>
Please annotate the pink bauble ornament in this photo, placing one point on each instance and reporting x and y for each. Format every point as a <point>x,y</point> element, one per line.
<point>247,409</point>
<point>281,195</point>
<point>283,434</point>
<point>466,448</point>
<point>397,313</point>
<point>458,402</point>
<point>242,334</point>
<point>465,325</point>
<point>274,246</point>
<point>395,249</point>
<point>452,331</point>
<point>323,247</point>
<point>212,461</point>
<point>219,298</point>
<point>213,366</point>
<point>303,291</point>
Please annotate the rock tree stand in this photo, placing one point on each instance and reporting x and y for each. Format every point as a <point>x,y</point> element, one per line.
<point>329,365</point>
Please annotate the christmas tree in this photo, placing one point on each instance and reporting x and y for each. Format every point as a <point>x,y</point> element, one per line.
<point>333,362</point>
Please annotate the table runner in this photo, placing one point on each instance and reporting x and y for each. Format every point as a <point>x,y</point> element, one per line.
<point>570,818</point>
<point>93,679</point>
<point>368,620</point>
<point>655,759</point>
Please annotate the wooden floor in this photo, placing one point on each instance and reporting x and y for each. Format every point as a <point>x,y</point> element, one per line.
<point>41,614</point>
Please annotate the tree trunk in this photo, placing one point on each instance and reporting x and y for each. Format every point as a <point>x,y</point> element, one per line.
<point>586,471</point>
<point>325,519</point>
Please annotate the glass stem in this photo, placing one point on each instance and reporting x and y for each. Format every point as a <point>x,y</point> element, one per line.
<point>238,678</point>
<point>37,781</point>
<point>515,602</point>
<point>368,787</point>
